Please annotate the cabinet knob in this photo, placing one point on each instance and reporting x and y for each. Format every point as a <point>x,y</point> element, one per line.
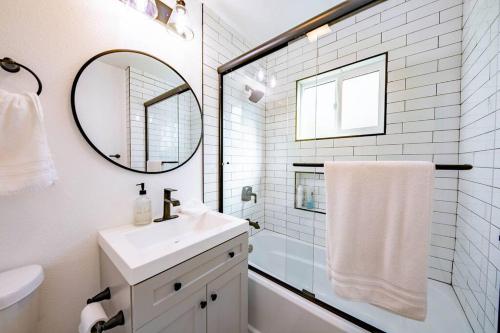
<point>203,304</point>
<point>231,254</point>
<point>177,286</point>
<point>213,296</point>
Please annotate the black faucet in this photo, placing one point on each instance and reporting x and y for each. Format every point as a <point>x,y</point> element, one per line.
<point>167,201</point>
<point>253,224</point>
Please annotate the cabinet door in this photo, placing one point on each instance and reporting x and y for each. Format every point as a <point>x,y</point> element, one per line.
<point>228,301</point>
<point>156,295</point>
<point>186,316</point>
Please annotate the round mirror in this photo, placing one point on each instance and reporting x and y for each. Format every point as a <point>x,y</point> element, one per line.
<point>136,111</point>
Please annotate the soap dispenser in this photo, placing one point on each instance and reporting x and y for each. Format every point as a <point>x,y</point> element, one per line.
<point>142,208</point>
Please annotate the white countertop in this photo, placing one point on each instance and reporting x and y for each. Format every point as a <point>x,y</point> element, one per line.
<point>140,252</point>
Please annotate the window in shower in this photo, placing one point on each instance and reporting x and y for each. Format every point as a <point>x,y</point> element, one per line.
<point>346,101</point>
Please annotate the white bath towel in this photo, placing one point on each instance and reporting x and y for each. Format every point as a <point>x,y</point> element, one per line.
<point>25,159</point>
<point>378,219</point>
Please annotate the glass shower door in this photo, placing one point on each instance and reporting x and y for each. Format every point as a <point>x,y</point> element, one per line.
<point>244,160</point>
<point>301,207</point>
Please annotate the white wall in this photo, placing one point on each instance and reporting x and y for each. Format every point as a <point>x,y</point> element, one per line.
<point>100,101</point>
<point>57,227</point>
<point>476,270</point>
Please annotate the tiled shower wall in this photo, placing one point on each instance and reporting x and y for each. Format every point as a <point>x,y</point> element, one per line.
<point>221,43</point>
<point>189,125</point>
<point>163,131</point>
<point>423,40</point>
<point>142,87</point>
<point>244,145</point>
<point>174,124</point>
<point>195,123</point>
<point>431,114</point>
<point>476,270</point>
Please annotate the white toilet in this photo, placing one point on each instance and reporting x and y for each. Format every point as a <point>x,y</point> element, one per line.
<point>19,308</point>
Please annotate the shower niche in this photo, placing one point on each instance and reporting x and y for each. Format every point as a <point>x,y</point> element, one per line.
<point>310,191</point>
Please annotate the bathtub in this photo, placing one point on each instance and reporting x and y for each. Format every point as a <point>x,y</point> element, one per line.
<point>276,258</point>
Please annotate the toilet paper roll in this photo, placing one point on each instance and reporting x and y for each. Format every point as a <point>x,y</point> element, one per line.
<point>91,315</point>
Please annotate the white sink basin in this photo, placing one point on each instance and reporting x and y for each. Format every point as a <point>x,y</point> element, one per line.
<point>140,252</point>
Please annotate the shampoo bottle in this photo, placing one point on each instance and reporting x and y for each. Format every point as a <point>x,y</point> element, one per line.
<point>300,196</point>
<point>142,208</point>
<point>310,201</point>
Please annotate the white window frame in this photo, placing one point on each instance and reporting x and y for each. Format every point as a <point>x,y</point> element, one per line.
<point>373,64</point>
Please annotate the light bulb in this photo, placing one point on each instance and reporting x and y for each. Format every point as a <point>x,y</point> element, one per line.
<point>261,75</point>
<point>141,5</point>
<point>182,20</point>
<point>179,22</point>
<point>147,7</point>
<point>318,32</point>
<point>272,82</point>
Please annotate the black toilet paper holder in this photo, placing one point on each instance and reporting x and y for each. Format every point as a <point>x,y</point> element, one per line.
<point>116,320</point>
<point>105,294</point>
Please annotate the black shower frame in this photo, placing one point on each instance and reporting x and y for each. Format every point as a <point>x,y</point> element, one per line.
<point>337,13</point>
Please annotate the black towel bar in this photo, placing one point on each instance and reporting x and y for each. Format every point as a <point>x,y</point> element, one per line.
<point>11,66</point>
<point>438,166</point>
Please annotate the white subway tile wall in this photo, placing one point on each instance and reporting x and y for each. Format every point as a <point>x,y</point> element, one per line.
<point>443,99</point>
<point>173,125</point>
<point>244,145</point>
<point>476,269</point>
<point>423,110</point>
<point>423,106</point>
<point>221,43</point>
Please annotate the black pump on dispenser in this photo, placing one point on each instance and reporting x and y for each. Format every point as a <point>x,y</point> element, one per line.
<point>142,208</point>
<point>142,191</point>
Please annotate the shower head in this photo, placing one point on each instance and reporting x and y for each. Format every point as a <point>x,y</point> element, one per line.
<point>254,95</point>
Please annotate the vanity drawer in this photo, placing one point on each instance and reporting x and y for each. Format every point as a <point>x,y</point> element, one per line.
<point>156,295</point>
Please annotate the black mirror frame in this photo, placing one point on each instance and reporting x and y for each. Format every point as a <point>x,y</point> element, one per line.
<point>80,128</point>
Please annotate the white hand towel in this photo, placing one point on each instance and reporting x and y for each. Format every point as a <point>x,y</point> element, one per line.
<point>378,219</point>
<point>25,159</point>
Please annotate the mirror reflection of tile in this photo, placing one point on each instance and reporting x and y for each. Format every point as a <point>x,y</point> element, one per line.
<point>170,122</point>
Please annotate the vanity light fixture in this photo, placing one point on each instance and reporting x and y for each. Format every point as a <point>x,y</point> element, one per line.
<point>313,35</point>
<point>147,7</point>
<point>178,23</point>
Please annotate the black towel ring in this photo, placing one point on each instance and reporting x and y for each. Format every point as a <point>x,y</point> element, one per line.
<point>13,67</point>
